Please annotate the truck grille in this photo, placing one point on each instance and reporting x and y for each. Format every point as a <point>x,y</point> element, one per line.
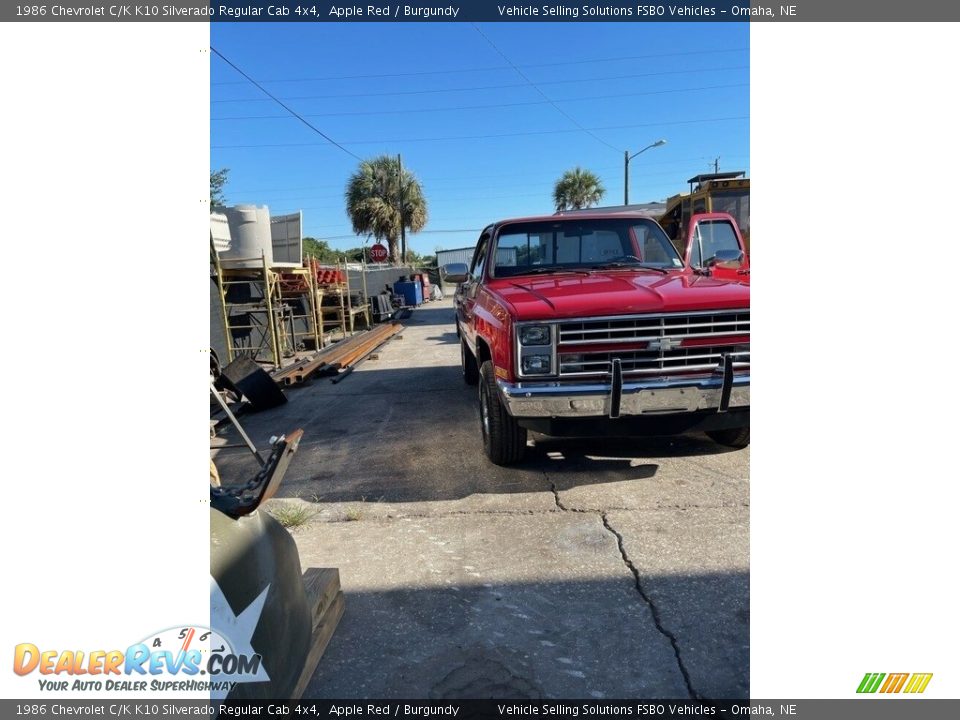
<point>681,343</point>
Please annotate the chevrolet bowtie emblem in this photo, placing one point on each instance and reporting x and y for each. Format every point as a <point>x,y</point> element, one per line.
<point>664,344</point>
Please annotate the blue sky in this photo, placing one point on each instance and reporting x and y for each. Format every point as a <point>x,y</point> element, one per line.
<point>483,142</point>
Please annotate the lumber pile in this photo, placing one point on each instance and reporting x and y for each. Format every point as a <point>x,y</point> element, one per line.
<point>340,359</point>
<point>325,600</point>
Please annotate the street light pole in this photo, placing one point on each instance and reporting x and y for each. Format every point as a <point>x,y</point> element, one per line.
<point>626,177</point>
<point>627,157</point>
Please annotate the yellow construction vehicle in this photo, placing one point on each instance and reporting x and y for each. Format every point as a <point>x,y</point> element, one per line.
<point>726,192</point>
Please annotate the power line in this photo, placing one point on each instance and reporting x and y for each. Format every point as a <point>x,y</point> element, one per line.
<point>553,171</point>
<point>435,199</point>
<point>422,232</point>
<point>484,107</point>
<point>430,203</point>
<point>539,91</point>
<point>493,87</point>
<point>471,176</point>
<point>284,106</point>
<point>427,232</point>
<point>482,137</point>
<point>487,69</point>
<point>438,197</point>
<point>545,181</point>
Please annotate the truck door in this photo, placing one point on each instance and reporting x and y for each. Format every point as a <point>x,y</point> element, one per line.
<point>466,298</point>
<point>714,243</point>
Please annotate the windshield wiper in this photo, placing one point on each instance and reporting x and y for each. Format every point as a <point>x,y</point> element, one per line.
<point>540,269</point>
<point>621,264</point>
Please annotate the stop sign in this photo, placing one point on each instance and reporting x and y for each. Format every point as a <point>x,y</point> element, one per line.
<point>378,253</point>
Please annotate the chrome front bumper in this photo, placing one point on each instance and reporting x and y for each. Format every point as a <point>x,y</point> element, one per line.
<point>717,392</point>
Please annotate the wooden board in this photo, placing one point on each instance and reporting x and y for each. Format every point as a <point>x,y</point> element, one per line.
<point>318,643</point>
<point>321,586</point>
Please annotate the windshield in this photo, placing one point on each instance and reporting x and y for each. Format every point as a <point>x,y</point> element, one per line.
<point>582,244</point>
<point>736,203</point>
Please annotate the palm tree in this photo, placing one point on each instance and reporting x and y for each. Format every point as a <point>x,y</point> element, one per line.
<point>576,189</point>
<point>375,196</point>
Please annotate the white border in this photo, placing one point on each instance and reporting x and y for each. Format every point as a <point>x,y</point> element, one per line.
<point>853,478</point>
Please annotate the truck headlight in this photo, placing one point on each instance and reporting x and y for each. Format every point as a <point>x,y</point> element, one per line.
<point>535,365</point>
<point>535,335</point>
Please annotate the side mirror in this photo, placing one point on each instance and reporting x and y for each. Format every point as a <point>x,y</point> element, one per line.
<point>726,256</point>
<point>455,273</point>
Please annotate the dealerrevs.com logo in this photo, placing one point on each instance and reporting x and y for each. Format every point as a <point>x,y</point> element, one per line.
<point>181,659</point>
<point>190,658</point>
<point>911,683</point>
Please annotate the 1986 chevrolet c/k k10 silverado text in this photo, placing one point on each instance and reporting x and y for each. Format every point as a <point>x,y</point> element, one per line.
<point>591,324</point>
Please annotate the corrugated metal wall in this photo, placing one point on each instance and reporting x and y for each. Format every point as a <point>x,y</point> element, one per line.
<point>377,280</point>
<point>505,256</point>
<point>462,255</point>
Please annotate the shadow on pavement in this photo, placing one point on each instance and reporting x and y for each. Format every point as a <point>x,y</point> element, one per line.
<point>588,639</point>
<point>427,315</point>
<point>447,337</point>
<point>413,434</point>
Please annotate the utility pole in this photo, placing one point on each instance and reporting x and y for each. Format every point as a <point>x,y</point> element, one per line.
<point>716,165</point>
<point>403,224</point>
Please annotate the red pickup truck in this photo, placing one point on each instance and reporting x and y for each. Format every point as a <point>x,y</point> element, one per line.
<point>592,324</point>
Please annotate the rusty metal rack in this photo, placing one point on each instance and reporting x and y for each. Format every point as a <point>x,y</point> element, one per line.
<point>342,314</point>
<point>303,291</point>
<point>268,315</point>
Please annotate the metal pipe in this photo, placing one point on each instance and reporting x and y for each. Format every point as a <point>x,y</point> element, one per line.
<point>236,424</point>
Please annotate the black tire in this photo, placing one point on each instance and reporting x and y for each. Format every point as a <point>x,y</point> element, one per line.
<point>468,364</point>
<point>504,441</point>
<point>731,437</point>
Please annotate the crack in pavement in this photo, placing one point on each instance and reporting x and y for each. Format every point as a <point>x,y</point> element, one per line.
<point>694,695</point>
<point>655,613</point>
<point>556,497</point>
<point>562,508</point>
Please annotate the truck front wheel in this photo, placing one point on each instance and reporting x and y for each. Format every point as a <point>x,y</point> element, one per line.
<point>504,441</point>
<point>731,437</point>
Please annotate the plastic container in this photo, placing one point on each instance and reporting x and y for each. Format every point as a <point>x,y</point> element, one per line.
<point>250,238</point>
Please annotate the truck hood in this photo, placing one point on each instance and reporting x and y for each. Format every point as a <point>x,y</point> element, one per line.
<point>617,293</point>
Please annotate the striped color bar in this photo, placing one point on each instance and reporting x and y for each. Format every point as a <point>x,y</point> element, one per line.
<point>918,682</point>
<point>894,683</point>
<point>870,682</point>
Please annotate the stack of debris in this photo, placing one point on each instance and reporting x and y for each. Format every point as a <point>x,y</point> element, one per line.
<point>340,359</point>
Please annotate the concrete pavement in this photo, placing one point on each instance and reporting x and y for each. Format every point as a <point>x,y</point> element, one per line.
<point>595,569</point>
